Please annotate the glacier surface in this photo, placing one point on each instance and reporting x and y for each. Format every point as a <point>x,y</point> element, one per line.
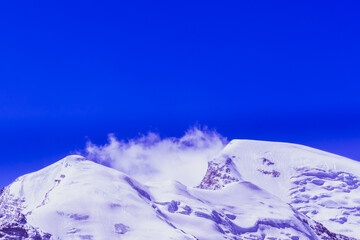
<point>251,190</point>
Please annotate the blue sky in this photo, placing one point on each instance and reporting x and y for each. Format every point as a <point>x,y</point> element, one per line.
<point>71,71</point>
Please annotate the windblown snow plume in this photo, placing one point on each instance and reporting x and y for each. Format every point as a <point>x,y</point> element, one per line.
<point>150,158</point>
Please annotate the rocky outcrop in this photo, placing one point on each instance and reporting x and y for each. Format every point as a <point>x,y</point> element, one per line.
<point>324,233</point>
<point>219,174</point>
<point>13,224</point>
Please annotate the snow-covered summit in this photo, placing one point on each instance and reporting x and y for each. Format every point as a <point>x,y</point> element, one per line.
<point>251,190</point>
<point>322,185</point>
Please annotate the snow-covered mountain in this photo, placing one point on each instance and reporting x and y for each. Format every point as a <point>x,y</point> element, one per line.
<point>321,185</point>
<point>251,190</point>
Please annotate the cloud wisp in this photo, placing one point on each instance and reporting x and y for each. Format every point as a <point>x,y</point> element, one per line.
<point>149,158</point>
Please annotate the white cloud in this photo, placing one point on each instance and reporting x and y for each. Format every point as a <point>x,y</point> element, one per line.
<point>150,158</point>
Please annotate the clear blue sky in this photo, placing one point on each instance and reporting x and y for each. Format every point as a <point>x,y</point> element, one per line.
<point>269,70</point>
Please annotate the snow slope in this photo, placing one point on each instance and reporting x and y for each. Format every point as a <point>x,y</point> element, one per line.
<point>252,190</point>
<point>321,185</point>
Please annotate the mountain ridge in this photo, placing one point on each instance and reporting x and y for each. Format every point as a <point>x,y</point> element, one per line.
<point>91,201</point>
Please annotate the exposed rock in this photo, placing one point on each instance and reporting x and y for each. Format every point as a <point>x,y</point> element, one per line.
<point>219,174</point>
<point>325,234</point>
<point>13,224</point>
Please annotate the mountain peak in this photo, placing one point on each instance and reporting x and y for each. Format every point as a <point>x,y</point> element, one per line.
<point>264,190</point>
<point>71,159</point>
